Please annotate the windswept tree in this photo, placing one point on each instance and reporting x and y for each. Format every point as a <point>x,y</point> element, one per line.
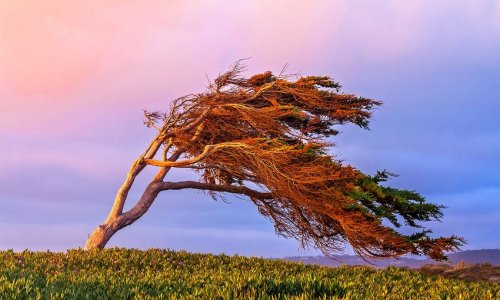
<point>266,138</point>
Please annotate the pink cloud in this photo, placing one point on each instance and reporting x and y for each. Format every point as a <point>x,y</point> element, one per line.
<point>86,69</point>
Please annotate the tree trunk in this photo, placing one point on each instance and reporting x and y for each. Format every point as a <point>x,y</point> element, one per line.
<point>101,235</point>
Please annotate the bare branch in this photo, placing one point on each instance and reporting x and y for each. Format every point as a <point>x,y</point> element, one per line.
<point>209,149</point>
<point>235,189</point>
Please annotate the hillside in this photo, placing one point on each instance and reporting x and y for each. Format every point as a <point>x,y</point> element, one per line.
<point>490,256</point>
<point>153,274</point>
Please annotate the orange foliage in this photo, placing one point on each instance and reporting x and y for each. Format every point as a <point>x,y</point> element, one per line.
<point>265,137</point>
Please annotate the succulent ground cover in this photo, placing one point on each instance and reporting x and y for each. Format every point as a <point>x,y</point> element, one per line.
<point>165,274</point>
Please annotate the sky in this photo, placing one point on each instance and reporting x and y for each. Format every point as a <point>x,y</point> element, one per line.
<point>75,77</point>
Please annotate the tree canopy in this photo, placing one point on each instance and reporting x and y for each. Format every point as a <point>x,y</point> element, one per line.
<point>267,137</point>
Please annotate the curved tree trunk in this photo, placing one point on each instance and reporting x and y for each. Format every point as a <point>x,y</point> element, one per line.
<point>117,219</point>
<point>103,233</point>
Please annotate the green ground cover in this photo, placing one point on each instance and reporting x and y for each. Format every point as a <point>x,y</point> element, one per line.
<point>164,274</point>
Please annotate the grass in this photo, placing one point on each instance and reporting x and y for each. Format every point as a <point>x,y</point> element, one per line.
<point>164,274</point>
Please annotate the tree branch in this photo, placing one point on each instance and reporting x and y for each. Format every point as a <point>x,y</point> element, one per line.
<point>234,189</point>
<point>164,170</point>
<point>209,149</point>
<point>191,125</point>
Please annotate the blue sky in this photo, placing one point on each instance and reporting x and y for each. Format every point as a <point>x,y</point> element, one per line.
<point>71,112</point>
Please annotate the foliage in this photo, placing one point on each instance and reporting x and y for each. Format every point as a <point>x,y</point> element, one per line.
<point>164,274</point>
<point>266,137</point>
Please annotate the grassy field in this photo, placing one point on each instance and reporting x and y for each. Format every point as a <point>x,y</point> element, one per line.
<point>164,274</point>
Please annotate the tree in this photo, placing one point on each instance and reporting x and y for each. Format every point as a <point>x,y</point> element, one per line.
<point>266,138</point>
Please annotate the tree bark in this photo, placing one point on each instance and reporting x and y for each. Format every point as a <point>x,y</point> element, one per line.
<point>100,236</point>
<point>103,233</point>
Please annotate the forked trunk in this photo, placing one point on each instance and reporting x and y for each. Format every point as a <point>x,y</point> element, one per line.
<point>117,220</point>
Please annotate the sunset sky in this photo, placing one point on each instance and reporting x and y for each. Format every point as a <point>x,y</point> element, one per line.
<point>75,76</point>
